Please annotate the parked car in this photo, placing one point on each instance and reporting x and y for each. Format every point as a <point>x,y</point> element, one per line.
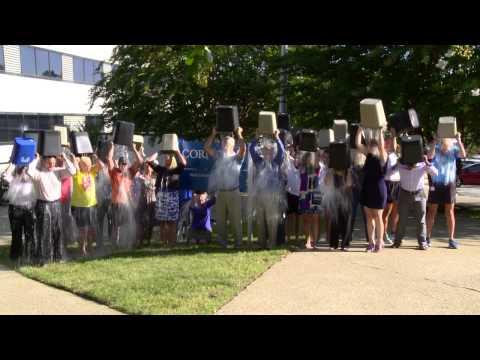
<point>470,174</point>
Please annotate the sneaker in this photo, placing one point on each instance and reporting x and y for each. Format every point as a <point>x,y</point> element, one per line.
<point>428,242</point>
<point>452,244</point>
<point>387,239</point>
<point>345,249</point>
<point>423,246</point>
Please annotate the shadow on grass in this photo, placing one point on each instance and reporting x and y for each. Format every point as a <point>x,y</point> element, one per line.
<point>180,250</point>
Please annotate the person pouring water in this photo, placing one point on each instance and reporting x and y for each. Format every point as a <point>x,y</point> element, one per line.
<point>225,181</point>
<point>269,197</point>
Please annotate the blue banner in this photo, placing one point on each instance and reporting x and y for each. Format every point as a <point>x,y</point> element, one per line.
<point>199,165</point>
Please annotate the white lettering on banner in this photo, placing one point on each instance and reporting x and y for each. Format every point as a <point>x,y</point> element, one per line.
<point>195,154</point>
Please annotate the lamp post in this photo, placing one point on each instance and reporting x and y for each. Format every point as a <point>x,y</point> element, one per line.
<point>283,82</point>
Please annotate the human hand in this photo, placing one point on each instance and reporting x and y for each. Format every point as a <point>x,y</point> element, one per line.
<point>458,136</point>
<point>239,132</point>
<point>276,133</point>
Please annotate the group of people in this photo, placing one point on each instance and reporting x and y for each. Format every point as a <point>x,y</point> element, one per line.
<point>387,189</point>
<point>51,194</point>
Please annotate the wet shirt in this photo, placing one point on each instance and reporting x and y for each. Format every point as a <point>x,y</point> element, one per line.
<point>268,173</point>
<point>167,179</point>
<point>84,193</point>
<point>201,216</point>
<point>21,190</point>
<point>121,185</point>
<point>446,164</point>
<point>48,183</point>
<point>227,171</point>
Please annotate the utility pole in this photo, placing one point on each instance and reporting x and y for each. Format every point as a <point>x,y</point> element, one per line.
<point>283,82</point>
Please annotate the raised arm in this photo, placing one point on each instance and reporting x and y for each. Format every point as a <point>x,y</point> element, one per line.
<point>99,165</point>
<point>241,142</point>
<point>180,158</point>
<point>463,153</point>
<point>358,141</point>
<point>431,150</point>
<point>32,170</point>
<point>110,163</point>
<point>70,167</point>
<point>381,148</point>
<point>280,148</point>
<point>152,157</point>
<point>432,170</point>
<point>138,158</point>
<point>8,173</point>
<point>208,144</point>
<point>255,157</point>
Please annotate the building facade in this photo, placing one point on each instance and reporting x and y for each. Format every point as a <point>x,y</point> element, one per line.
<point>46,85</point>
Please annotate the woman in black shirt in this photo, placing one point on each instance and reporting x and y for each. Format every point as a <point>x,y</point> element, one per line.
<point>167,190</point>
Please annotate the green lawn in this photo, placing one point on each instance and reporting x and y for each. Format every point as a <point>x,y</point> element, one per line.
<point>155,280</point>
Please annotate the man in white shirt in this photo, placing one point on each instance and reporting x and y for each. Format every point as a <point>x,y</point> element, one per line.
<point>22,197</point>
<point>226,175</point>
<point>412,194</point>
<point>47,179</point>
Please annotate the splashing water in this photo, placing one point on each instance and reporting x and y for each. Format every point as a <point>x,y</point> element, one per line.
<point>334,198</point>
<point>265,187</point>
<point>372,134</point>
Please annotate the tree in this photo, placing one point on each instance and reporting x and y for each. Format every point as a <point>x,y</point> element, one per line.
<point>176,88</point>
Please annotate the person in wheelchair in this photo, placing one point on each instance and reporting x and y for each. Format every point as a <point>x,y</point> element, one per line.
<point>201,228</point>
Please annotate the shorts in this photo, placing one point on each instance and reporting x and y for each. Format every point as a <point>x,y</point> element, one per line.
<point>85,216</point>
<point>392,191</point>
<point>199,235</point>
<point>120,214</point>
<point>292,203</point>
<point>442,194</point>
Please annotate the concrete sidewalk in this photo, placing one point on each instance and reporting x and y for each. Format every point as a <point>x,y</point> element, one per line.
<point>395,281</point>
<point>22,296</point>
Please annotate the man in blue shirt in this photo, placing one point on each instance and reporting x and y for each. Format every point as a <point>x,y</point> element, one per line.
<point>268,188</point>
<point>442,188</point>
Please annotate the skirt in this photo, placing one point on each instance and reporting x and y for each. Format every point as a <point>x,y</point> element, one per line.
<point>167,206</point>
<point>392,191</point>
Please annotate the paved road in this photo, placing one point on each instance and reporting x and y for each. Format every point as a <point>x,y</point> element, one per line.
<point>396,281</point>
<point>22,296</point>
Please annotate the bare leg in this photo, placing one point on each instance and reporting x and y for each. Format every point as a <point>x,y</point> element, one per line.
<point>385,216</point>
<point>450,217</point>
<point>431,214</point>
<point>393,218</point>
<point>370,227</point>
<point>379,229</point>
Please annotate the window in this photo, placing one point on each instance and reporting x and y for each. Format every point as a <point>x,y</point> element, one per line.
<point>27,59</point>
<point>86,70</point>
<point>40,62</point>
<point>2,59</point>
<point>78,69</point>
<point>41,59</point>
<point>55,64</point>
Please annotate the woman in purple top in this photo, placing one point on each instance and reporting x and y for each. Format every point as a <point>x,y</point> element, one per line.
<point>310,199</point>
<point>201,228</point>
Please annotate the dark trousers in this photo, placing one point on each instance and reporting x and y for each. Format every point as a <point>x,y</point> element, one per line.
<point>103,212</point>
<point>49,245</point>
<point>68,230</point>
<point>355,205</point>
<point>339,228</point>
<point>145,221</point>
<point>22,223</point>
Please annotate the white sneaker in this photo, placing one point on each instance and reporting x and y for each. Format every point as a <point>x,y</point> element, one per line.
<point>387,240</point>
